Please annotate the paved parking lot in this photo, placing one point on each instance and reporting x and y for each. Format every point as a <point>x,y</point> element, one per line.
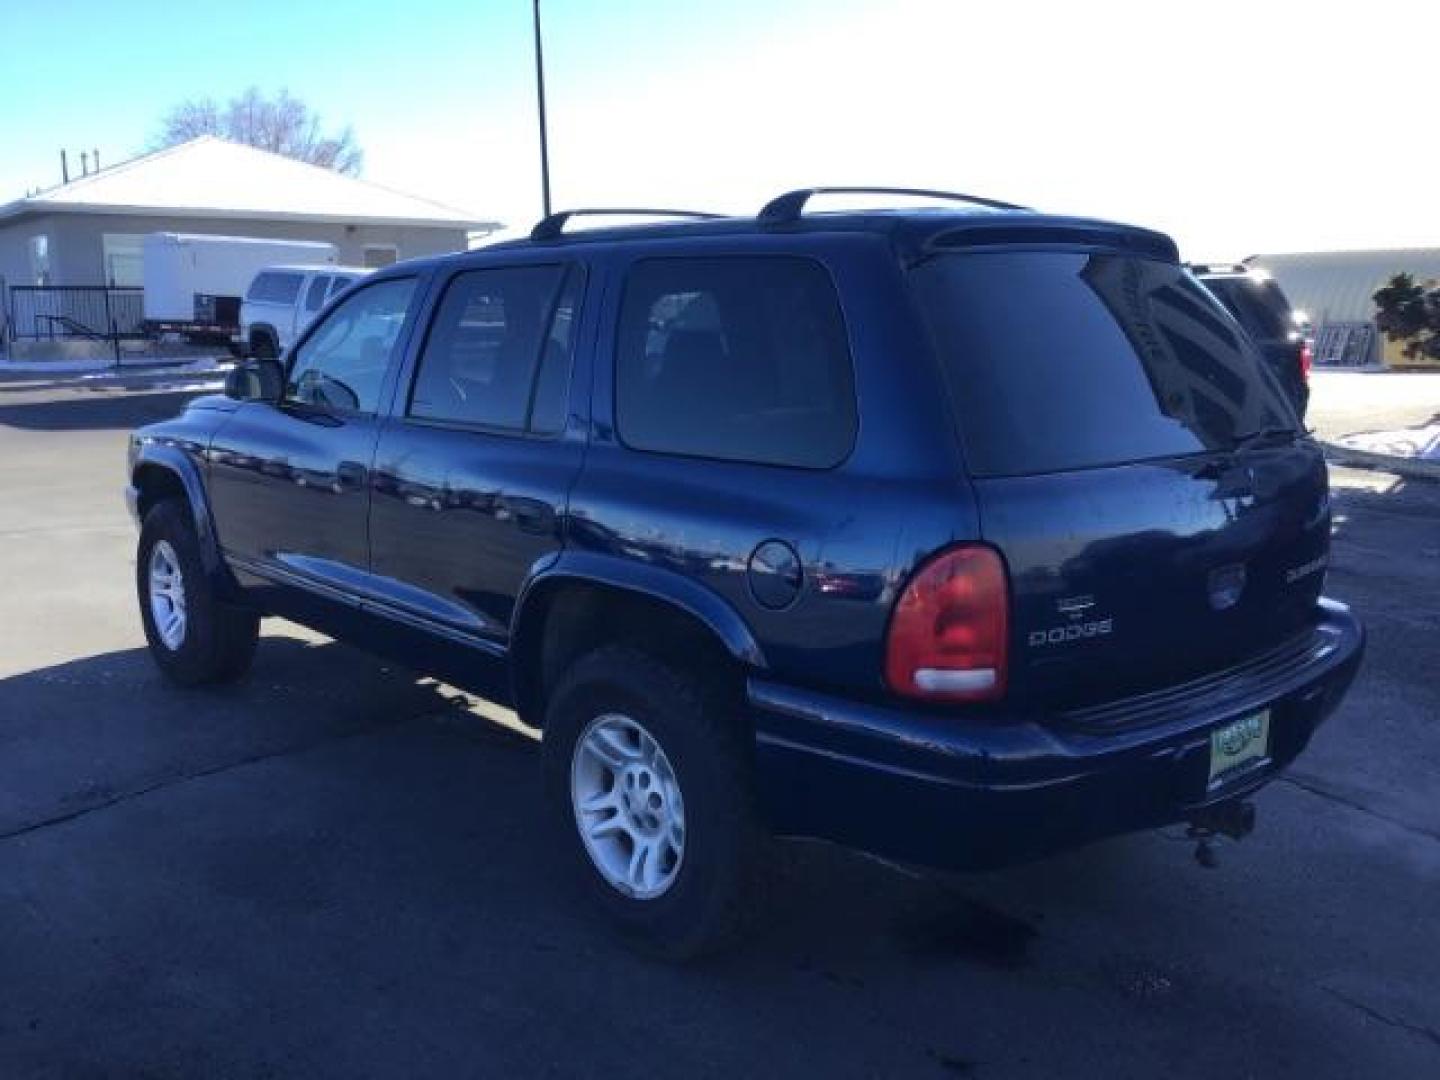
<point>334,869</point>
<point>1344,402</point>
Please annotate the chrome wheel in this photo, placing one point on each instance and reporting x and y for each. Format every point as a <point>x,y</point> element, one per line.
<point>167,595</point>
<point>628,806</point>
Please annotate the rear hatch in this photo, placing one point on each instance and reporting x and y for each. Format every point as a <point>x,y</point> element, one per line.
<point>1160,513</point>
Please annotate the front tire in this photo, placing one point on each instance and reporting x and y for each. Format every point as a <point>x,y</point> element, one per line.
<point>649,780</point>
<point>194,636</point>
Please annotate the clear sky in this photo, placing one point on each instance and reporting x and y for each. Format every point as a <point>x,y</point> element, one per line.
<point>1240,127</point>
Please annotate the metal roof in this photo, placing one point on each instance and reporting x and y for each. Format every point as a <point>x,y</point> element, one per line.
<point>212,178</point>
<point>1338,286</point>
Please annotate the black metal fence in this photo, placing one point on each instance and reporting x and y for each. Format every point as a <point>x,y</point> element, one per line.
<point>56,312</point>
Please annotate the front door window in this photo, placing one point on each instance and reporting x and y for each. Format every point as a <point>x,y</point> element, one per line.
<point>342,364</point>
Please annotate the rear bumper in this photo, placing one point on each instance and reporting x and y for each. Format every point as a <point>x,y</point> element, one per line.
<point>942,790</point>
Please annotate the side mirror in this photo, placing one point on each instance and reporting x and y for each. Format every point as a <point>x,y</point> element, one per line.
<point>256,380</point>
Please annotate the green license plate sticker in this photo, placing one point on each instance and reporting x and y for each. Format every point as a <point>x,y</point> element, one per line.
<point>1239,743</point>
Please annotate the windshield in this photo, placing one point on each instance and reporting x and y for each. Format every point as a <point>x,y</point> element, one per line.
<point>1060,360</point>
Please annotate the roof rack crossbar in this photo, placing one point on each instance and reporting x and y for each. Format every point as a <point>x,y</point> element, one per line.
<point>791,205</point>
<point>548,228</point>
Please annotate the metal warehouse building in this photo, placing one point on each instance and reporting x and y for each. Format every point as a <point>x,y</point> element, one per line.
<point>1335,289</point>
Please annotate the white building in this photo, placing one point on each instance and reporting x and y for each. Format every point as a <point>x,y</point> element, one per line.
<point>88,231</point>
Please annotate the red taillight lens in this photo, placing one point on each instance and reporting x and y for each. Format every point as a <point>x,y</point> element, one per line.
<point>1307,358</point>
<point>948,635</point>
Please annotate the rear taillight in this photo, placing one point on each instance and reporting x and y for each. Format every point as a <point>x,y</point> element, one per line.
<point>1307,357</point>
<point>949,631</point>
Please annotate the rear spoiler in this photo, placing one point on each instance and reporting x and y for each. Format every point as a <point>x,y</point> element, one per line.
<point>1084,236</point>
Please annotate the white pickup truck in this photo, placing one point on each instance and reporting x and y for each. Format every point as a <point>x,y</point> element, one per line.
<point>282,300</point>
<point>194,282</point>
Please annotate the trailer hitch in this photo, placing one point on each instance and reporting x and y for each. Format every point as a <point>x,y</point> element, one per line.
<point>1234,818</point>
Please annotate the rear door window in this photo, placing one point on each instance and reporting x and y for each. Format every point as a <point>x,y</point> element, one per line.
<point>740,358</point>
<point>1059,360</point>
<point>275,287</point>
<point>498,352</point>
<point>552,380</point>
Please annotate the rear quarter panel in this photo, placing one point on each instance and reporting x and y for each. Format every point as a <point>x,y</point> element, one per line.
<point>859,529</point>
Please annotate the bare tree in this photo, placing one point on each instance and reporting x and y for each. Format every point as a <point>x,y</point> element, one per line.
<point>281,124</point>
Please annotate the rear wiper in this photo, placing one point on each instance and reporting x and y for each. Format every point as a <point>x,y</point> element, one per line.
<point>1263,436</point>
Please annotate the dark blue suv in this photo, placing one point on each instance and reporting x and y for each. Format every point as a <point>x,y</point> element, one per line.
<point>961,534</point>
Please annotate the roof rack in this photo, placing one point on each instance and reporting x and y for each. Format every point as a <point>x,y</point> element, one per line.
<point>791,205</point>
<point>551,227</point>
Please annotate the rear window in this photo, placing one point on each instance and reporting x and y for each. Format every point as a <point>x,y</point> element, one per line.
<point>740,358</point>
<point>1061,360</point>
<point>275,288</point>
<point>1259,306</point>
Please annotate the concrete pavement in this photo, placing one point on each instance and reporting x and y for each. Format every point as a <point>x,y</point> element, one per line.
<point>1344,402</point>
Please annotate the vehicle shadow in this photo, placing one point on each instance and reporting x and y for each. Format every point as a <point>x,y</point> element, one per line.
<point>86,736</point>
<point>107,736</point>
<point>99,411</point>
<point>83,733</point>
<point>257,874</point>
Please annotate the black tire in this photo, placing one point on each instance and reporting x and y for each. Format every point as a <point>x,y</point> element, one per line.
<point>715,890</point>
<point>218,639</point>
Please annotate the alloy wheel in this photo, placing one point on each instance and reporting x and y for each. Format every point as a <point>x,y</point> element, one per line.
<point>167,595</point>
<point>628,806</point>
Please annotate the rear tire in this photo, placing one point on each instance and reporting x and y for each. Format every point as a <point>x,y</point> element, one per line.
<point>685,758</point>
<point>195,637</point>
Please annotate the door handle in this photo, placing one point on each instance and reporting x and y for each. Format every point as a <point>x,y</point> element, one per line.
<point>351,474</point>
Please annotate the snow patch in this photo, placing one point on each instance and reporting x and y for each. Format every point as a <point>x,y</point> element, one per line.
<point>1419,443</point>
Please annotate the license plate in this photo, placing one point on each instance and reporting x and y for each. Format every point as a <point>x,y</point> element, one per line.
<point>1238,744</point>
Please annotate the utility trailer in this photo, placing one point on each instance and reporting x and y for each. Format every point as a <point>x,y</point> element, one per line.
<point>194,282</point>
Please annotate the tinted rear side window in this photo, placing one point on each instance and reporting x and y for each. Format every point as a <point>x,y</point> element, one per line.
<point>275,288</point>
<point>552,380</point>
<point>1060,360</point>
<point>738,358</point>
<point>498,354</point>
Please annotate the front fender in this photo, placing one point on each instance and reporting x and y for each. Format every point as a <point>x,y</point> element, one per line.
<point>174,460</point>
